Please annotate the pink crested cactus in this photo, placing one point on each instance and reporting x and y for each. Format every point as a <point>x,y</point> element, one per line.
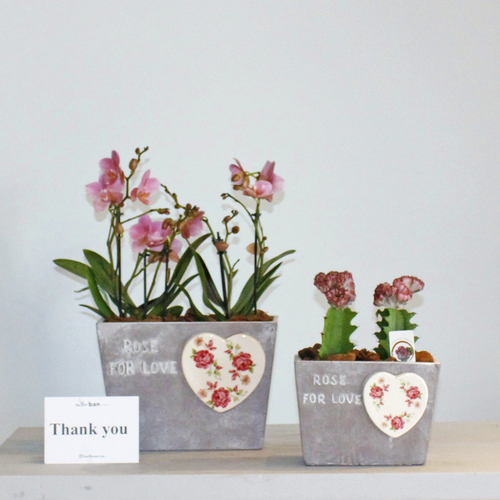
<point>338,288</point>
<point>398,294</point>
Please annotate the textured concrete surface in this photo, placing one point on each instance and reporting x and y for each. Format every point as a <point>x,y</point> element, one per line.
<point>339,431</point>
<point>144,359</point>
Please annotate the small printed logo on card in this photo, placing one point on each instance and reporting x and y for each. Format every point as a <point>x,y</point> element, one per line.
<point>402,345</point>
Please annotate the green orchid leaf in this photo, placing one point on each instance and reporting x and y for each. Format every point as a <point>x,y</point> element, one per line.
<point>106,279</point>
<point>270,262</point>
<point>93,309</point>
<point>199,316</point>
<point>206,300</point>
<point>244,304</point>
<point>73,267</point>
<point>101,304</point>
<point>209,287</point>
<point>157,306</point>
<point>175,311</point>
<point>185,259</point>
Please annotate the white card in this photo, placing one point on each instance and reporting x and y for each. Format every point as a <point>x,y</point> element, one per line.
<point>92,430</point>
<point>402,345</point>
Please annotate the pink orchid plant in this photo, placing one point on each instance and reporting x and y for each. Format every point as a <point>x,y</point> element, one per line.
<point>394,317</point>
<point>158,245</point>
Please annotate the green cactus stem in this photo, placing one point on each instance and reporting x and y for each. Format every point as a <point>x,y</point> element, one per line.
<point>392,320</point>
<point>337,331</point>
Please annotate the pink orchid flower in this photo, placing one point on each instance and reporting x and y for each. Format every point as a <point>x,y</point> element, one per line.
<point>104,195</point>
<point>238,175</point>
<point>147,234</point>
<point>146,188</point>
<point>109,188</point>
<point>111,171</point>
<point>261,189</point>
<point>192,226</point>
<point>267,184</point>
<point>175,250</point>
<point>267,175</point>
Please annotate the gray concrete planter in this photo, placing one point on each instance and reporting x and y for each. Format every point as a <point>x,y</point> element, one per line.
<point>335,427</point>
<point>144,359</point>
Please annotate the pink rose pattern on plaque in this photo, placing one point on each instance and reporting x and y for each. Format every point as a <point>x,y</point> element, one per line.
<point>388,398</point>
<point>223,372</point>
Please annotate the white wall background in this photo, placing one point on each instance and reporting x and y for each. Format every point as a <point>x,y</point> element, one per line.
<point>383,118</point>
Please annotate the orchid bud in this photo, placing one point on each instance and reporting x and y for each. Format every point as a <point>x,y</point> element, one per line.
<point>221,246</point>
<point>235,230</point>
<point>168,223</point>
<point>133,164</point>
<point>265,249</point>
<point>226,219</point>
<point>163,211</point>
<point>137,151</point>
<point>188,206</point>
<point>119,229</point>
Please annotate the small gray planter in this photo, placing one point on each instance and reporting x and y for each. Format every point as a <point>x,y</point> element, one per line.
<point>144,359</point>
<point>336,429</point>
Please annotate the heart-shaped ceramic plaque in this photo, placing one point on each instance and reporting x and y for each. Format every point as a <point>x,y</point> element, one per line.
<point>223,372</point>
<point>395,403</point>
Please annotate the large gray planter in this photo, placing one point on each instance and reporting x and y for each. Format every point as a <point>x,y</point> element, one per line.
<point>339,431</point>
<point>144,359</point>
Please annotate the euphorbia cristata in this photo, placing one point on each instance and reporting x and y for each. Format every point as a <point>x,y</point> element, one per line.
<point>337,287</point>
<point>397,294</point>
<point>394,317</point>
<point>339,292</point>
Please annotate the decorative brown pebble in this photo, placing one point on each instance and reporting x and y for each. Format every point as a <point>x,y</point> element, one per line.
<point>310,353</point>
<point>390,358</point>
<point>424,357</point>
<point>365,355</point>
<point>350,356</point>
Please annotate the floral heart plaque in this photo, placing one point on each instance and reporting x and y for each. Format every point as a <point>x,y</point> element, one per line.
<point>223,372</point>
<point>395,403</point>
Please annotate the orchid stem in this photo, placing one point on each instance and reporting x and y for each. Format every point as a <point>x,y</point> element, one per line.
<point>255,255</point>
<point>145,312</point>
<point>224,292</point>
<point>165,303</point>
<point>119,265</point>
